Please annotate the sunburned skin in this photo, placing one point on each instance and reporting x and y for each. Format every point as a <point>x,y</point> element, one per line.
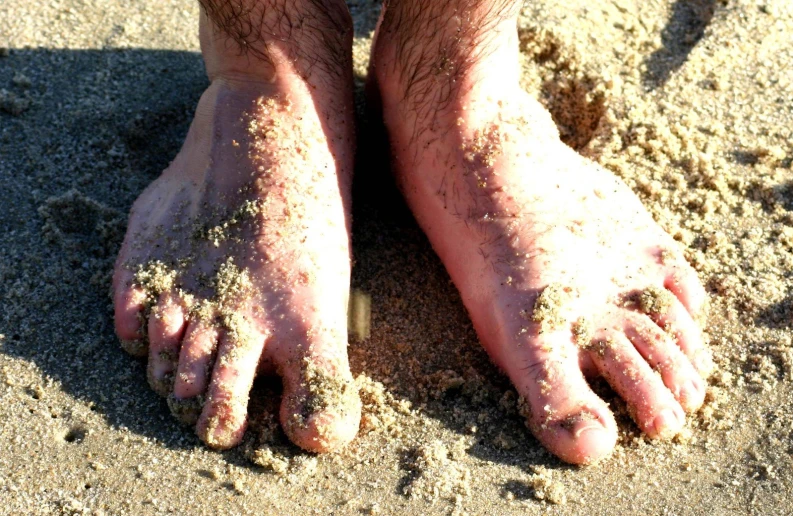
<point>237,260</point>
<point>564,273</point>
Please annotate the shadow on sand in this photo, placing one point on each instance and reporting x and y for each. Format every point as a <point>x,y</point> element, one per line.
<point>683,30</point>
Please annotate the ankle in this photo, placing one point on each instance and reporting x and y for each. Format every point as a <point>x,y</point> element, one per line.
<point>257,46</point>
<point>439,62</point>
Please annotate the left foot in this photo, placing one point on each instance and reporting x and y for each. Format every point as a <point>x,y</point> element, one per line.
<point>563,271</point>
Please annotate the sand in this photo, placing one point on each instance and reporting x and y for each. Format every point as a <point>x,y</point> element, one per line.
<point>690,102</point>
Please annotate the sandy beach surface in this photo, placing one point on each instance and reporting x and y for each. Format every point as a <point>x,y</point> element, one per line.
<point>689,101</point>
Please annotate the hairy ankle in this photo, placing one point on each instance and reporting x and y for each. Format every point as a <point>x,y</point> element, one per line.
<point>264,40</point>
<point>433,56</point>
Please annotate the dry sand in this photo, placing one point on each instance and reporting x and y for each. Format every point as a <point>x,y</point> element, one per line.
<point>690,101</point>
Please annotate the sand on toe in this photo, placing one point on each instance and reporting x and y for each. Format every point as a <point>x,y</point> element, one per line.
<point>688,101</point>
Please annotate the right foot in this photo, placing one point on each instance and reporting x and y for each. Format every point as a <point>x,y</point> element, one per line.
<point>237,259</point>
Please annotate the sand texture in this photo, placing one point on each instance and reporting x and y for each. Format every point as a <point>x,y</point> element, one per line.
<point>689,101</point>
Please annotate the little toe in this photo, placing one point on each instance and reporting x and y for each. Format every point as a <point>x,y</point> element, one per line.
<point>166,327</point>
<point>561,410</point>
<point>321,410</point>
<point>650,403</point>
<point>129,303</point>
<point>683,282</point>
<point>192,373</point>
<point>225,414</point>
<point>677,321</point>
<point>662,354</point>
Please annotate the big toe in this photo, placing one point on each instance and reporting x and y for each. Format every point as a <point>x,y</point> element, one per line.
<point>583,437</point>
<point>561,410</point>
<point>321,409</point>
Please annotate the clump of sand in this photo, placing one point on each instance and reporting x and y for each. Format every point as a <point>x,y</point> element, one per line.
<point>655,301</point>
<point>325,392</point>
<point>546,488</point>
<point>438,472</point>
<point>381,411</point>
<point>549,307</point>
<point>13,103</point>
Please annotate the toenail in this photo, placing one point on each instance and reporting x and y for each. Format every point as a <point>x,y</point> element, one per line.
<point>582,423</point>
<point>690,391</point>
<point>587,426</point>
<point>666,424</point>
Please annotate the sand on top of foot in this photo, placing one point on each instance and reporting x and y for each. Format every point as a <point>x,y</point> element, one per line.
<point>689,101</point>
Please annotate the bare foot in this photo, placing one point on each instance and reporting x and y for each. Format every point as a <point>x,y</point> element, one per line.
<point>561,268</point>
<point>237,258</point>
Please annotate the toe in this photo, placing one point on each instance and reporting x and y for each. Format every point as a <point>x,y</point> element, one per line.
<point>560,408</point>
<point>195,359</point>
<point>192,373</point>
<point>129,303</point>
<point>662,354</point>
<point>650,403</point>
<point>683,282</point>
<point>224,417</point>
<point>166,327</point>
<point>321,410</point>
<point>677,321</point>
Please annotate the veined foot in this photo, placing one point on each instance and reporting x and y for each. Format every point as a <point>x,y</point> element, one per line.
<point>563,271</point>
<point>237,259</point>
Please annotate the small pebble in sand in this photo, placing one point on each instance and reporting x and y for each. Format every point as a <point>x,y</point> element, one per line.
<point>265,458</point>
<point>438,473</point>
<point>546,488</point>
<point>21,80</point>
<point>12,103</point>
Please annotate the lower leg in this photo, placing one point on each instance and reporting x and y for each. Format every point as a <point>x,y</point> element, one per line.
<point>237,257</point>
<point>549,251</point>
<point>265,39</point>
<point>437,53</point>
